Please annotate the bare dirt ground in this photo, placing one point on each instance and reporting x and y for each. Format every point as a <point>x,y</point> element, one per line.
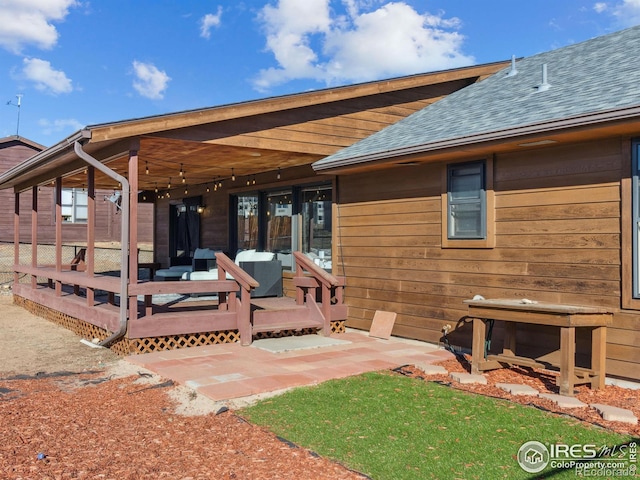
<point>71,411</point>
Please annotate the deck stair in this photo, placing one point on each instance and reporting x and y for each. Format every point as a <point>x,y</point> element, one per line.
<point>318,302</point>
<point>282,313</point>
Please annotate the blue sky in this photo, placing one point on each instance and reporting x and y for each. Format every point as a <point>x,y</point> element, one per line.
<point>77,63</point>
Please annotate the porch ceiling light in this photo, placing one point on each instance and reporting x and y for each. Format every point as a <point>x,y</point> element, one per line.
<point>200,208</point>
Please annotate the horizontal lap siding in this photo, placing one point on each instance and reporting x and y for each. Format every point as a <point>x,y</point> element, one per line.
<point>557,239</point>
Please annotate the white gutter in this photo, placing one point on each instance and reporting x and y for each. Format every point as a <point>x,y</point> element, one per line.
<point>124,240</point>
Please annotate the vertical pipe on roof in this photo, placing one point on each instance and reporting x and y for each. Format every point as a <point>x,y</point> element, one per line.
<point>124,240</point>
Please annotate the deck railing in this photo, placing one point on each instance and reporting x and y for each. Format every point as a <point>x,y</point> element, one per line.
<point>309,277</point>
<point>316,289</point>
<point>232,310</point>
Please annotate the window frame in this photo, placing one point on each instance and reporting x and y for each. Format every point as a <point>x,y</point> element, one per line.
<point>487,203</point>
<point>74,206</point>
<point>630,196</point>
<point>296,192</point>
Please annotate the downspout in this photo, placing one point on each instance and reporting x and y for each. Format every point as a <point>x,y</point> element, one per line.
<point>124,240</point>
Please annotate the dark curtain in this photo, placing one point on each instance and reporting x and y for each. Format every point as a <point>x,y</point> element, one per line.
<point>187,232</point>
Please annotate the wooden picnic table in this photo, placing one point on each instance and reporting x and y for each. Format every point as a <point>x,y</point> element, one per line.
<point>566,317</point>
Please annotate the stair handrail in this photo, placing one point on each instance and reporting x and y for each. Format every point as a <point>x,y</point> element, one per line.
<point>227,266</point>
<point>241,304</point>
<point>327,283</point>
<point>305,263</point>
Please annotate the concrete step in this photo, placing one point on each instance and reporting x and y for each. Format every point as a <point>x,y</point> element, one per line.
<point>468,378</point>
<point>615,414</point>
<point>563,401</point>
<point>517,389</point>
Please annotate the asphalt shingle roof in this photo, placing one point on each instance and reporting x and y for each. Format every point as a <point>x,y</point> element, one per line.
<point>597,75</point>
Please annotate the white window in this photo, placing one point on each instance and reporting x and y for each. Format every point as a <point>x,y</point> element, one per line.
<point>74,205</point>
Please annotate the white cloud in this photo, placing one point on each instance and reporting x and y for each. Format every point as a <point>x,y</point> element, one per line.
<point>208,21</point>
<point>50,127</point>
<point>150,82</point>
<point>626,13</point>
<point>310,41</point>
<point>600,7</point>
<point>45,77</point>
<point>29,22</point>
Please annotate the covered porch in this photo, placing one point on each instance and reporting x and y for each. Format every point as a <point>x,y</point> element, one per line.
<point>119,310</point>
<point>226,178</point>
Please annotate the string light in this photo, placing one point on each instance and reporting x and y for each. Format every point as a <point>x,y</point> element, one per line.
<point>146,168</point>
<point>156,187</point>
<point>169,184</point>
<point>181,171</point>
<point>233,175</point>
<point>278,176</point>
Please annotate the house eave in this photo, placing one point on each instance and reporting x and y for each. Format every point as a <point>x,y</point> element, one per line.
<point>590,120</point>
<point>17,174</point>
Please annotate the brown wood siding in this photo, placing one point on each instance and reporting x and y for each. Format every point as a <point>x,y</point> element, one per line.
<point>558,239</point>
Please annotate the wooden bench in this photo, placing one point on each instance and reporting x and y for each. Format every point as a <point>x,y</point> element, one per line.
<point>566,317</point>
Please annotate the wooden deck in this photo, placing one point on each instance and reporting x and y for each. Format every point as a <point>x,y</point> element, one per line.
<point>317,304</point>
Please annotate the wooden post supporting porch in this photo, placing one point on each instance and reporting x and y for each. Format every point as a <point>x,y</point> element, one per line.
<point>132,246</point>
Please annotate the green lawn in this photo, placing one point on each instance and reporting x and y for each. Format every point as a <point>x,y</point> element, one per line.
<point>394,427</point>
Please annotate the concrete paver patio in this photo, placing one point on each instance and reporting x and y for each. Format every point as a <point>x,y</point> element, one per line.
<point>231,371</point>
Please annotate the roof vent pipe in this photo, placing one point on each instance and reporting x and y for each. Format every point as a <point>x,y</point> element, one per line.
<point>544,86</point>
<point>512,71</point>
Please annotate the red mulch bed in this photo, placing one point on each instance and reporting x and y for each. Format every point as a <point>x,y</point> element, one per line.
<point>52,429</point>
<point>60,429</point>
<point>544,382</point>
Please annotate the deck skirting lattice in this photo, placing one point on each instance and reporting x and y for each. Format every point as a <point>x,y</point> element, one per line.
<point>132,346</point>
<point>173,342</point>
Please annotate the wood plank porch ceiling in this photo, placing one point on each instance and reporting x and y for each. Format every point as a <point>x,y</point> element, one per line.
<point>200,163</point>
